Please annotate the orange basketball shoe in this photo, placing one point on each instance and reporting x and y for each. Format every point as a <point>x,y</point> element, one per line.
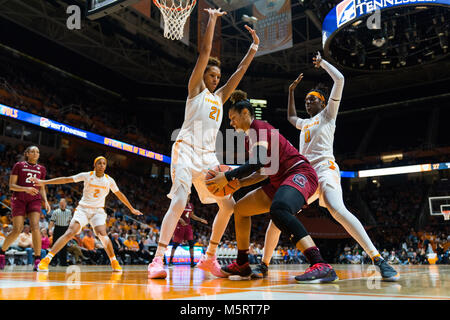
<point>43,265</point>
<point>116,266</point>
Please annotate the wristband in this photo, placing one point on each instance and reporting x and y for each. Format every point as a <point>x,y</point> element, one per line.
<point>254,47</point>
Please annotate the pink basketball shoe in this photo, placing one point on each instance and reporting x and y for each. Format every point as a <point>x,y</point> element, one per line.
<point>211,264</point>
<point>156,269</point>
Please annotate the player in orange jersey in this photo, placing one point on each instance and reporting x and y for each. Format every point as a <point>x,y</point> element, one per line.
<point>97,185</point>
<point>193,153</point>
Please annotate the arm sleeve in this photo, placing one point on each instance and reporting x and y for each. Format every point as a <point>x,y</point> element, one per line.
<point>80,177</point>
<point>258,159</point>
<point>336,92</point>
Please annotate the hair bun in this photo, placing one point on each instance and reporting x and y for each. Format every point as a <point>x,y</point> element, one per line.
<point>238,95</point>
<point>213,61</point>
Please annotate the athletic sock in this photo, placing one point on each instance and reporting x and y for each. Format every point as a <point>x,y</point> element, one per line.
<point>376,256</point>
<point>313,255</point>
<point>242,257</point>
<point>212,248</point>
<point>37,258</point>
<point>50,255</point>
<point>112,258</point>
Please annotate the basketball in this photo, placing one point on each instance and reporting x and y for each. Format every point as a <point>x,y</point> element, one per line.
<point>231,187</point>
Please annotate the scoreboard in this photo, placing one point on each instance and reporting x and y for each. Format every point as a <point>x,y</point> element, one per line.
<point>100,8</point>
<point>259,106</point>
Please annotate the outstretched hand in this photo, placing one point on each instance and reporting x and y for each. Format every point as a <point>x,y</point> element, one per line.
<point>296,82</point>
<point>37,182</point>
<point>136,212</point>
<point>215,12</point>
<point>253,34</point>
<point>317,60</point>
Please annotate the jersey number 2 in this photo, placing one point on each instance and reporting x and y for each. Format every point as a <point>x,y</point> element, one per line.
<point>96,192</point>
<point>215,113</point>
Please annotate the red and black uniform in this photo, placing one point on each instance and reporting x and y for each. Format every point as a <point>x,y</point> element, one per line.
<point>23,203</point>
<point>292,179</point>
<point>293,168</point>
<point>184,232</point>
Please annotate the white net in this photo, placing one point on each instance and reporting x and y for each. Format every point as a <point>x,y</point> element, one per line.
<point>445,209</point>
<point>175,14</point>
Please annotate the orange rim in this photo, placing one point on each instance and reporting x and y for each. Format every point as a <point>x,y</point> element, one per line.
<point>174,9</point>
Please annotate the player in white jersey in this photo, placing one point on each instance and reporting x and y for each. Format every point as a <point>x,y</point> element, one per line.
<point>316,144</point>
<point>97,185</point>
<point>193,153</point>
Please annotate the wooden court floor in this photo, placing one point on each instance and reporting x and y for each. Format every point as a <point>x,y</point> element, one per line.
<point>424,282</point>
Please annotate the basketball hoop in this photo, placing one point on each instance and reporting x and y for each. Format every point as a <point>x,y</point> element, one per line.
<point>446,214</point>
<point>175,14</point>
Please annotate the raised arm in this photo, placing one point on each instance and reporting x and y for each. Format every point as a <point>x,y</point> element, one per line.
<point>291,111</point>
<point>338,86</point>
<point>232,83</point>
<point>196,84</point>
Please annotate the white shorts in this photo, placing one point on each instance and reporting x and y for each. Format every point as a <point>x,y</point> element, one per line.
<point>329,175</point>
<point>94,216</point>
<point>189,167</point>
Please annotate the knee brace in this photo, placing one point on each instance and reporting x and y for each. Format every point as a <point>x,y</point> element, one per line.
<point>283,217</point>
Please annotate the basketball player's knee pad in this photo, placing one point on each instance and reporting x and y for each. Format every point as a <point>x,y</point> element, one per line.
<point>283,217</point>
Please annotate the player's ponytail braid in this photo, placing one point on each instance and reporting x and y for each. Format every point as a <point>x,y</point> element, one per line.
<point>240,102</point>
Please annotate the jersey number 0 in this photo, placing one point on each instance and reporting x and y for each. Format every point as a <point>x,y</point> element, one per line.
<point>307,136</point>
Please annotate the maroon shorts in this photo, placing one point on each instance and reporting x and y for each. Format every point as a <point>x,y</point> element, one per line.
<point>23,207</point>
<point>302,177</point>
<point>183,233</point>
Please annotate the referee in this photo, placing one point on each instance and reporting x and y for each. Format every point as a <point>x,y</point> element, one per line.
<point>61,218</point>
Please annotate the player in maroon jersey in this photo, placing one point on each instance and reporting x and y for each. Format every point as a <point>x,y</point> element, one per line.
<point>183,231</point>
<point>292,180</point>
<point>26,201</point>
